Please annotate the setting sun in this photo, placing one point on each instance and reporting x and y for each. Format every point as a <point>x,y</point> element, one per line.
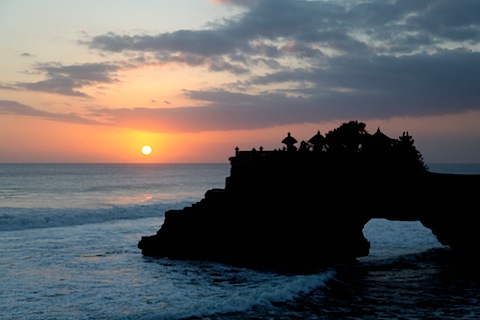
<point>146,150</point>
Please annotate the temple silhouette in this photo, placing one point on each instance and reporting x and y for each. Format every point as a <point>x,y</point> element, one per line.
<point>301,208</point>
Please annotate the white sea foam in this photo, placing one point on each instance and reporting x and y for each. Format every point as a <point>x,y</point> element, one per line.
<point>219,289</point>
<point>257,291</point>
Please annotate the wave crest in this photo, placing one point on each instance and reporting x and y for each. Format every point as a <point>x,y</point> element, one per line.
<point>30,218</point>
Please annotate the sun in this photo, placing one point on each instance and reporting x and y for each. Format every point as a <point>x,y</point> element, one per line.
<point>146,150</point>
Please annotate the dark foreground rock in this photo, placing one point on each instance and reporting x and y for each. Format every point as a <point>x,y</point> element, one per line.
<point>303,209</point>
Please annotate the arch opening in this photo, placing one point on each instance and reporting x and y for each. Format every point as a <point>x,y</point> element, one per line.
<point>390,238</point>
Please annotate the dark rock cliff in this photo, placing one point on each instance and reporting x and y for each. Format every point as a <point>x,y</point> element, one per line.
<point>303,209</point>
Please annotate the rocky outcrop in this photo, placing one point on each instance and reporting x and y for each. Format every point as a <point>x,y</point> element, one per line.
<point>300,210</point>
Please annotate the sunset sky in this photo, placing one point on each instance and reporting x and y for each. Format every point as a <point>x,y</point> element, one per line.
<point>94,81</point>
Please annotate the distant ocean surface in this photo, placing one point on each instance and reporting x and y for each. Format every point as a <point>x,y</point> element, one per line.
<point>68,244</point>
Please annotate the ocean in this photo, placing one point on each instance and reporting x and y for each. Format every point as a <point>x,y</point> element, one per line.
<point>68,243</point>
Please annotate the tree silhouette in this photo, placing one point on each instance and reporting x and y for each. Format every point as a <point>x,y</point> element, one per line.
<point>408,155</point>
<point>377,151</point>
<point>349,137</point>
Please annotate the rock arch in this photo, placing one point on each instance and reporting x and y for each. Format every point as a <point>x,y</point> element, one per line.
<point>302,210</point>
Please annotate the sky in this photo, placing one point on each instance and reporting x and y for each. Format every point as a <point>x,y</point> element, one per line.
<point>95,81</point>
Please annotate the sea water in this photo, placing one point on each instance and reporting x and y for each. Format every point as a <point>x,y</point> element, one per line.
<point>68,250</point>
